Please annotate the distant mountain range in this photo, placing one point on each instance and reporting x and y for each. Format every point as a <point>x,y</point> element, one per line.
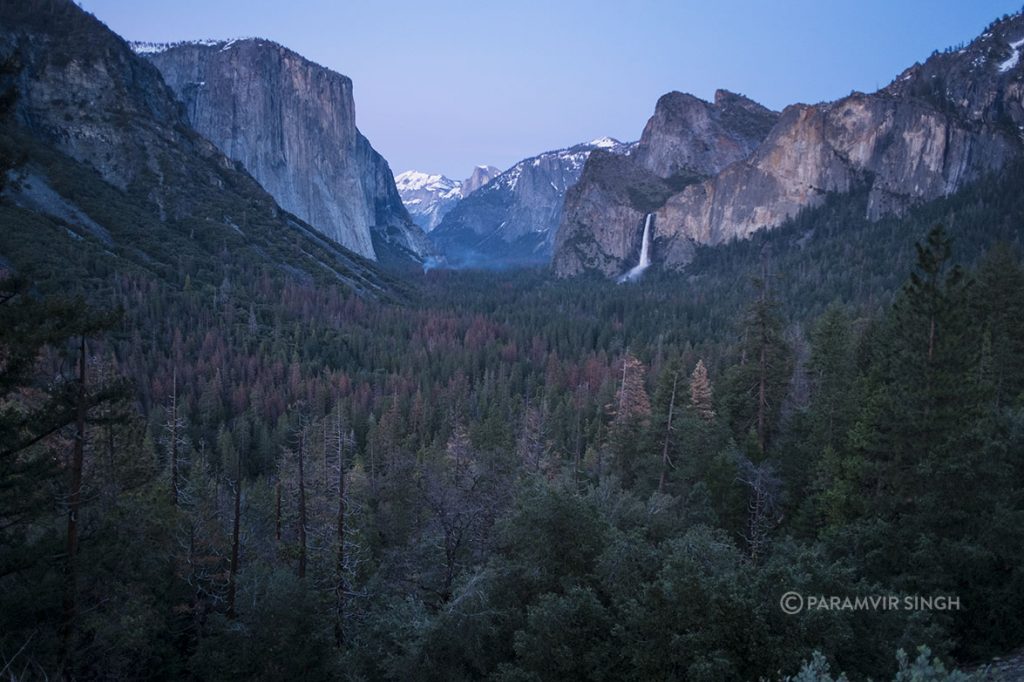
<point>512,220</point>
<point>428,198</point>
<point>713,172</point>
<point>184,128</point>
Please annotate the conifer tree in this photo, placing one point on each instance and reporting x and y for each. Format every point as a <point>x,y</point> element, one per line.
<point>998,297</point>
<point>701,394</point>
<point>631,400</point>
<point>631,410</point>
<point>756,388</point>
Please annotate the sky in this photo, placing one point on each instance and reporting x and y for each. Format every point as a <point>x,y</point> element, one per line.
<point>443,86</point>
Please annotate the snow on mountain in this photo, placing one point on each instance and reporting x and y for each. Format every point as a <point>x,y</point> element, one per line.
<point>1014,58</point>
<point>512,220</point>
<point>415,180</point>
<point>142,47</point>
<point>428,197</point>
<point>605,143</point>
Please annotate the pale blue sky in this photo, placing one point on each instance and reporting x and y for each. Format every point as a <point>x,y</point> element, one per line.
<point>442,86</point>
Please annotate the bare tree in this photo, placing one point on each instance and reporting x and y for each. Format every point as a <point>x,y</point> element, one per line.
<point>666,462</point>
<point>342,441</point>
<point>763,514</point>
<point>175,427</point>
<point>74,504</point>
<point>302,502</point>
<point>233,570</point>
<point>530,445</point>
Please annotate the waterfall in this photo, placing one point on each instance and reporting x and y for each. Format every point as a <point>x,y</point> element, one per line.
<point>645,255</point>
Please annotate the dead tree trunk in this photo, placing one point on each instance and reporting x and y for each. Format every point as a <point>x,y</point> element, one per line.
<point>277,510</point>
<point>233,574</point>
<point>665,461</point>
<point>302,505</point>
<point>762,396</point>
<point>74,503</point>
<point>341,587</point>
<point>174,440</point>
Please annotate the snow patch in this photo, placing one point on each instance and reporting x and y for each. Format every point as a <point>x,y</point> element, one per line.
<point>144,47</point>
<point>604,143</point>
<point>1014,58</point>
<point>412,181</point>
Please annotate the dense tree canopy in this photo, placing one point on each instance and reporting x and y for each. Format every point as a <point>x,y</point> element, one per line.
<point>508,477</point>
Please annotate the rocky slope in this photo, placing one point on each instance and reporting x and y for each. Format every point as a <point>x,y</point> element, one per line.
<point>480,176</point>
<point>292,124</point>
<point>512,220</point>
<point>938,126</point>
<point>112,167</point>
<point>685,141</point>
<point>429,198</point>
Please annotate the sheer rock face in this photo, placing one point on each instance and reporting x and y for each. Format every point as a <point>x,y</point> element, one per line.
<point>938,126</point>
<point>480,176</point>
<point>686,140</point>
<point>291,123</point>
<point>689,135</point>
<point>87,103</point>
<point>903,149</point>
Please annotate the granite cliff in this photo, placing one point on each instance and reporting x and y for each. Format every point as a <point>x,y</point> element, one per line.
<point>936,127</point>
<point>109,165</point>
<point>292,124</point>
<point>685,141</point>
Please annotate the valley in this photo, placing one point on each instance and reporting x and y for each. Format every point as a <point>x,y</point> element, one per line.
<point>269,410</point>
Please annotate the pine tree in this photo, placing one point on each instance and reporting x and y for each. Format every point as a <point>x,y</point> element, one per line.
<point>832,375</point>
<point>531,447</point>
<point>631,401</point>
<point>998,296</point>
<point>701,396</point>
<point>756,388</point>
<point>631,410</point>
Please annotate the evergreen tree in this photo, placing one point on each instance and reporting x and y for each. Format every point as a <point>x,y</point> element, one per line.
<point>701,394</point>
<point>631,410</point>
<point>756,388</point>
<point>998,298</point>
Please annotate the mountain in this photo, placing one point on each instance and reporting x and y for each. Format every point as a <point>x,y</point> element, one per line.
<point>480,176</point>
<point>684,142</point>
<point>936,127</point>
<point>512,220</point>
<point>427,197</point>
<point>113,181</point>
<point>292,124</point>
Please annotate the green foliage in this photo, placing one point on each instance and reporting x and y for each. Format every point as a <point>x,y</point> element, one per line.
<point>276,640</point>
<point>498,521</point>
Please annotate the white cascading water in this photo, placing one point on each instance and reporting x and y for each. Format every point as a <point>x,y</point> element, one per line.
<point>645,255</point>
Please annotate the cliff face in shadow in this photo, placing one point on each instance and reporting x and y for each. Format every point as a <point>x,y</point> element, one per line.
<point>292,124</point>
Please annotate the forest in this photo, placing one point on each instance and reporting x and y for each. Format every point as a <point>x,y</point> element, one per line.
<point>220,471</point>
